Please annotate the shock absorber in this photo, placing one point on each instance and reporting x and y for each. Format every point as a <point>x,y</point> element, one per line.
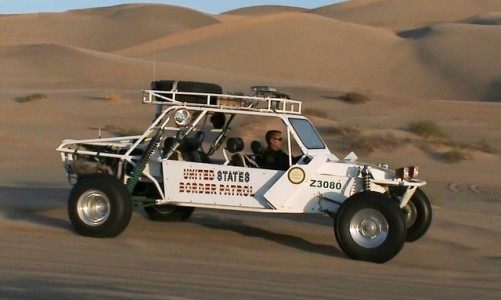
<point>141,164</point>
<point>366,173</point>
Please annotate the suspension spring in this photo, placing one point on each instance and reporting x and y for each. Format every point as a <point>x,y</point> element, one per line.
<point>141,165</point>
<point>366,181</point>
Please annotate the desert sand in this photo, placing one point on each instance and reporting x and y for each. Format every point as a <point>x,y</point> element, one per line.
<point>415,60</point>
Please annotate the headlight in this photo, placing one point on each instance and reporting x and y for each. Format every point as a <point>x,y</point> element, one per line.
<point>407,173</point>
<point>182,117</point>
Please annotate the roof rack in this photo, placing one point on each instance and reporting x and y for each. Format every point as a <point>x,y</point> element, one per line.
<point>252,103</point>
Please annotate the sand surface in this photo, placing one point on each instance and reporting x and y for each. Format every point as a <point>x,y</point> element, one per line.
<point>235,255</point>
<point>414,63</point>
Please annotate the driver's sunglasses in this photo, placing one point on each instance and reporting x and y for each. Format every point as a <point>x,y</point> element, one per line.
<point>278,139</point>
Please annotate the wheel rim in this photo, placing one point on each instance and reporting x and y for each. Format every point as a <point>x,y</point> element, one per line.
<point>93,207</point>
<point>369,228</point>
<point>410,214</point>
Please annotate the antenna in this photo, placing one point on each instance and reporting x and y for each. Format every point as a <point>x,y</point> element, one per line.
<point>154,21</point>
<point>154,64</point>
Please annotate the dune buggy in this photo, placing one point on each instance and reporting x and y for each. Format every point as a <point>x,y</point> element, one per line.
<point>205,149</point>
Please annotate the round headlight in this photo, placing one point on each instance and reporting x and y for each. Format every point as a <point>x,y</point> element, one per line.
<point>182,117</point>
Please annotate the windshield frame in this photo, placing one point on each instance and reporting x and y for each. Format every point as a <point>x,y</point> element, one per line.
<point>308,135</point>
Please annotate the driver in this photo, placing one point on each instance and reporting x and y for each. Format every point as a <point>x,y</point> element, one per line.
<point>273,156</point>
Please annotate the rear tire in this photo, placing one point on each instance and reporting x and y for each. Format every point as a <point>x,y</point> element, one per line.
<point>418,216</point>
<point>188,86</point>
<point>169,213</point>
<point>99,206</point>
<point>369,226</point>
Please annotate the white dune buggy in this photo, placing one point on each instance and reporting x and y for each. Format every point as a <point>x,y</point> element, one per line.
<point>204,149</point>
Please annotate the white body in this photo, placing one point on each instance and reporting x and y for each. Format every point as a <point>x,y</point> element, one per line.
<point>318,182</point>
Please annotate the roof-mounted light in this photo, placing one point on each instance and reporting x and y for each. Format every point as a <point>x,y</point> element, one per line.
<point>182,117</point>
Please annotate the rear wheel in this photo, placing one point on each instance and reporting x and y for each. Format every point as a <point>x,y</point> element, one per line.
<point>418,215</point>
<point>369,226</point>
<point>188,86</point>
<point>169,213</point>
<point>99,205</point>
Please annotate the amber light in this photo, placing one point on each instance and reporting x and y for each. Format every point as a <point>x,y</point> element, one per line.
<point>413,172</point>
<point>407,173</point>
<point>402,173</point>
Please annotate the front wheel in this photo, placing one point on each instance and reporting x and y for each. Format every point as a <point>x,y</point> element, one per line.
<point>169,213</point>
<point>417,214</point>
<point>100,206</point>
<point>369,226</point>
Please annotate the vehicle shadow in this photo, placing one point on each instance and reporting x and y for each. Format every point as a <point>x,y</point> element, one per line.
<point>31,205</point>
<point>237,226</point>
<point>53,288</point>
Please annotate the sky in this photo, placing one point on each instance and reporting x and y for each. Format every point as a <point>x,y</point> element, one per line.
<point>208,6</point>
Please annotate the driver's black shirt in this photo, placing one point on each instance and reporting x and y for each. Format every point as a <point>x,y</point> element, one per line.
<point>276,160</point>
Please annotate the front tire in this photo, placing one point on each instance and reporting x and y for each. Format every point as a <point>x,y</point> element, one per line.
<point>369,226</point>
<point>418,215</point>
<point>99,206</point>
<point>169,213</point>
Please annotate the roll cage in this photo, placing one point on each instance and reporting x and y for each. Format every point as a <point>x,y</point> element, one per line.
<point>119,156</point>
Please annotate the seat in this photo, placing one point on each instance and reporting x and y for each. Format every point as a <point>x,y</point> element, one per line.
<point>190,148</point>
<point>235,145</point>
<point>169,144</point>
<point>257,149</point>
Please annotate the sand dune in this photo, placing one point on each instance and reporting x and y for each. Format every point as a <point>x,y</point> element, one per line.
<point>286,44</point>
<point>254,11</point>
<point>102,29</point>
<point>53,66</point>
<point>398,14</point>
<point>43,65</point>
<point>281,46</point>
<point>468,55</point>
